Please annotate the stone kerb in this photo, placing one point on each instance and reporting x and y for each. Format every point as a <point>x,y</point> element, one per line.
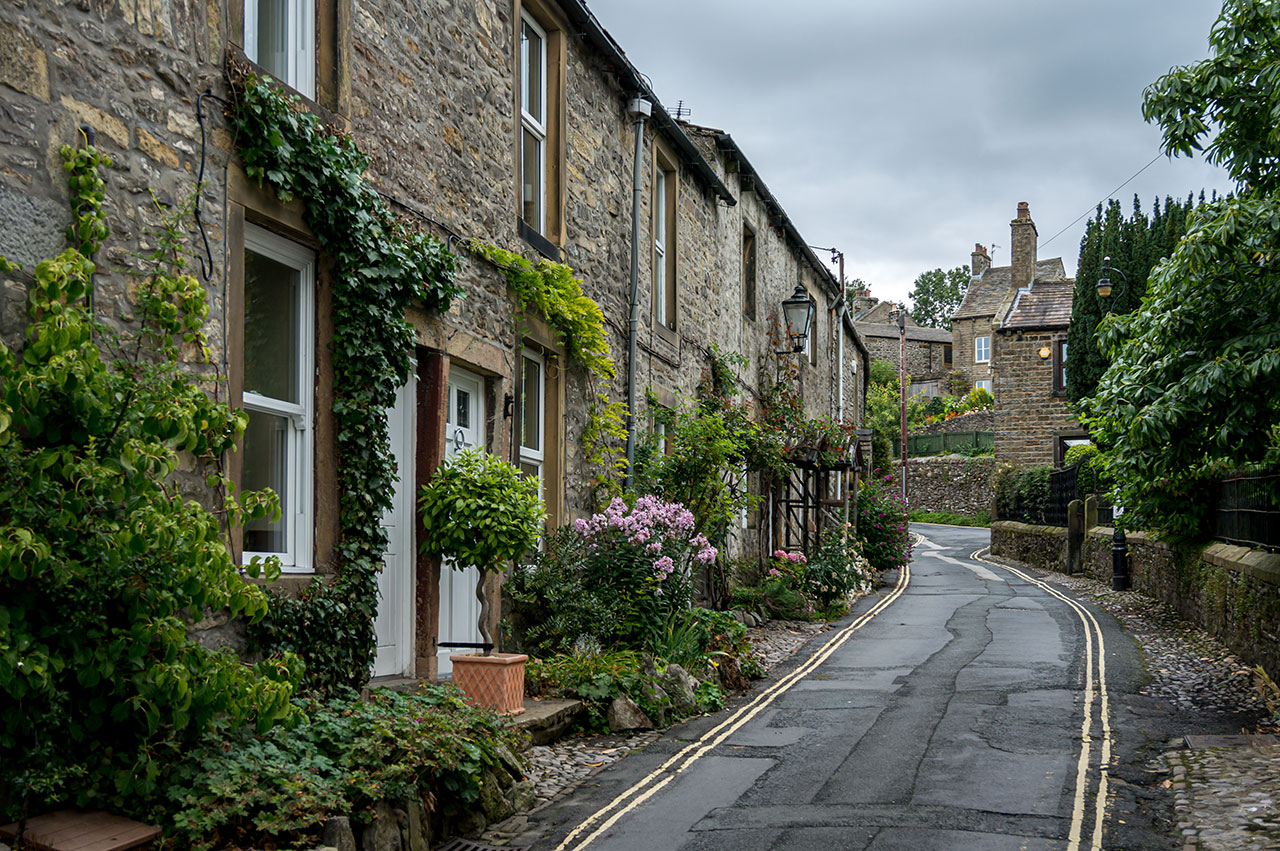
<point>951,483</point>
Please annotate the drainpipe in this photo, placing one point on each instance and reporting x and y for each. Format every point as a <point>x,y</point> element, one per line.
<point>640,109</point>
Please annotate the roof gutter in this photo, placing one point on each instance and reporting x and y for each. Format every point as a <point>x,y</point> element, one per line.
<point>596,35</point>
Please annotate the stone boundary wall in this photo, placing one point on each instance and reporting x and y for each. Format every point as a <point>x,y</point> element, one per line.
<point>1232,592</point>
<point>950,483</point>
<point>1044,547</point>
<point>972,421</point>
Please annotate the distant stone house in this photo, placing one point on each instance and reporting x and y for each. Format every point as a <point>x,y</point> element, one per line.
<point>512,122</point>
<point>1011,338</point>
<point>929,352</point>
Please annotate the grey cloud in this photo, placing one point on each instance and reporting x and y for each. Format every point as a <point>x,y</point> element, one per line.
<point>903,132</point>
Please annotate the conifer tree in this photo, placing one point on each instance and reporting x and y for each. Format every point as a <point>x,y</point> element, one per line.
<point>1135,245</point>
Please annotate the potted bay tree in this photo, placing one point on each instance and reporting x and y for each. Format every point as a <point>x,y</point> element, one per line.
<point>478,510</point>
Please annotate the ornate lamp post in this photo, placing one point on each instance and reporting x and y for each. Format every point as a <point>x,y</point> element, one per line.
<point>1119,546</point>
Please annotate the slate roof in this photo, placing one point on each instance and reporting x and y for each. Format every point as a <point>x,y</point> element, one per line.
<point>917,333</point>
<point>879,312</point>
<point>1046,305</point>
<point>986,293</point>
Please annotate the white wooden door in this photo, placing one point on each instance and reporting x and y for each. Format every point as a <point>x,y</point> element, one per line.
<point>394,624</point>
<point>459,608</point>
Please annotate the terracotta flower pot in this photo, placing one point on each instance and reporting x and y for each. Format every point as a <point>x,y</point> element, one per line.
<point>495,681</point>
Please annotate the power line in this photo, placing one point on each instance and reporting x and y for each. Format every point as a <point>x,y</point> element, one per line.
<point>1109,195</point>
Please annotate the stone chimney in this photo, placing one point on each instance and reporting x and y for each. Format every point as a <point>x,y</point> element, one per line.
<point>861,301</point>
<point>1022,259</point>
<point>981,260</point>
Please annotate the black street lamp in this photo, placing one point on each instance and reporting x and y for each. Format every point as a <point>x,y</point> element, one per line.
<point>797,312</point>
<point>1119,546</point>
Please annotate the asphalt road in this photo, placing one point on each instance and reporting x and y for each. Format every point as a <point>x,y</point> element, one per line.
<point>966,707</point>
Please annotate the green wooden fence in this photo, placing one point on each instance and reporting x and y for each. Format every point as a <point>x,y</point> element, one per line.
<point>941,444</point>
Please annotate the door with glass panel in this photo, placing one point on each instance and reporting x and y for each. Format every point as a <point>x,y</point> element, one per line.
<point>533,402</point>
<point>394,624</point>
<point>464,429</point>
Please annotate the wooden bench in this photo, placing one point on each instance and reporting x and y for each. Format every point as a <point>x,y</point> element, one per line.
<point>71,830</point>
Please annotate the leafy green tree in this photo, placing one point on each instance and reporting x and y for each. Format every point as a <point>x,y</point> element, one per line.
<point>937,295</point>
<point>884,411</point>
<point>1135,245</point>
<point>1191,390</point>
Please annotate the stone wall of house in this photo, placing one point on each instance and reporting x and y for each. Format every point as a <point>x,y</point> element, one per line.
<point>963,332</point>
<point>1232,592</point>
<point>957,485</point>
<point>131,72</point>
<point>450,157</point>
<point>1029,415</point>
<point>925,360</point>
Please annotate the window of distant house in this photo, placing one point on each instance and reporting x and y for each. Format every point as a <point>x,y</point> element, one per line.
<point>278,393</point>
<point>981,349</point>
<point>280,36</point>
<point>984,384</point>
<point>533,406</point>
<point>749,272</point>
<point>533,124</point>
<point>946,355</point>
<point>664,242</point>
<point>1060,366</point>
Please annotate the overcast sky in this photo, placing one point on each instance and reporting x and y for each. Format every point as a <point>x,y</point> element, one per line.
<point>904,131</point>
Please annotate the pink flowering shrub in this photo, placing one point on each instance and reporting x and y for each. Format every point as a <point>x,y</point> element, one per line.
<point>882,524</point>
<point>614,578</point>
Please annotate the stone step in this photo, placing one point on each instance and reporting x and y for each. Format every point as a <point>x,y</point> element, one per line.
<point>546,719</point>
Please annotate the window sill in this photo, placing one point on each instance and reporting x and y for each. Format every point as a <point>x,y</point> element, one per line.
<point>324,113</point>
<point>667,334</point>
<point>543,245</point>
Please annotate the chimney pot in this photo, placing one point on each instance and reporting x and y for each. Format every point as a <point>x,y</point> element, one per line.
<point>1024,211</point>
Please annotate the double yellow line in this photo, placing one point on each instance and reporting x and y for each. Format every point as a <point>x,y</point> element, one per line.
<point>608,815</point>
<point>1093,693</point>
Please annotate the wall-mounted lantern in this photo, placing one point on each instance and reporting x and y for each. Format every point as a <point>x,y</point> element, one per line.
<point>797,312</point>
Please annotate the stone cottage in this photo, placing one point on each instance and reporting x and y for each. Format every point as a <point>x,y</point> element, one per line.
<point>929,352</point>
<point>516,123</point>
<point>1011,337</point>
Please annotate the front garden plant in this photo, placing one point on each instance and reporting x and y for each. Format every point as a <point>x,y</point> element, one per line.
<point>244,789</point>
<point>105,559</point>
<point>882,523</point>
<point>479,511</point>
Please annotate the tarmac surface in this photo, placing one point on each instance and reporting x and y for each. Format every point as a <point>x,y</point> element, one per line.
<point>967,706</point>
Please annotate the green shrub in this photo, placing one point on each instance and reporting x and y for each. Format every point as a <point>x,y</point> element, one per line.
<point>596,679</point>
<point>1078,453</point>
<point>699,640</point>
<point>1023,493</point>
<point>243,789</point>
<point>882,524</point>
<point>836,572</point>
<point>103,562</point>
